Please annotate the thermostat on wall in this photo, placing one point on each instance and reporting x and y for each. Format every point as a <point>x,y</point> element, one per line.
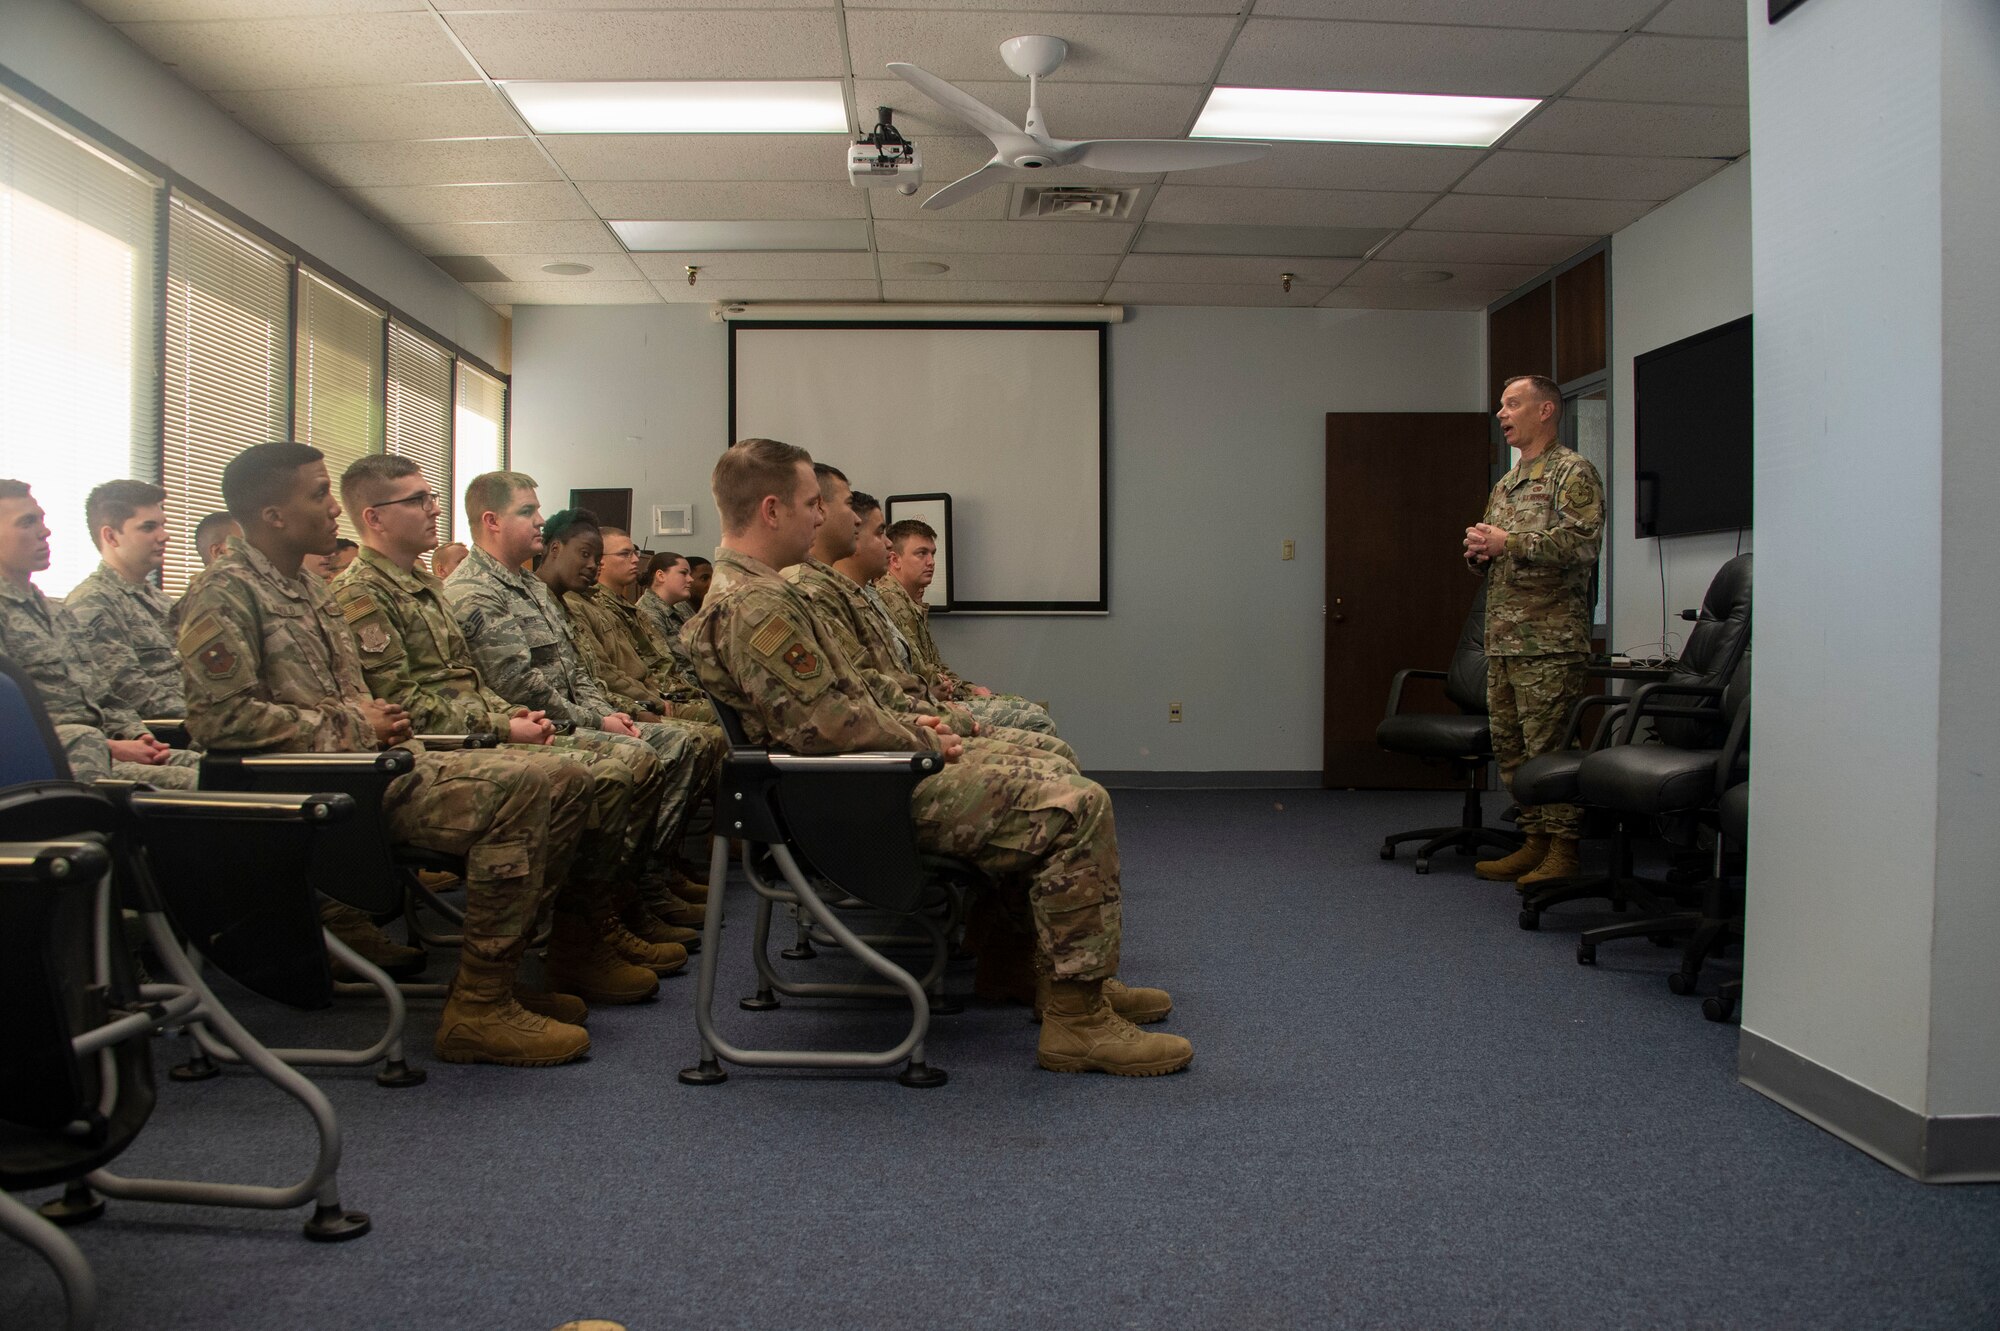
<point>673,519</point>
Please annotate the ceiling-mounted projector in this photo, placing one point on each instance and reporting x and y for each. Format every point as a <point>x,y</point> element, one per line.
<point>885,157</point>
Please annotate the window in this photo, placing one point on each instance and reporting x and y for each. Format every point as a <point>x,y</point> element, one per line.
<point>337,399</point>
<point>480,443</point>
<point>420,411</point>
<point>79,402</point>
<point>228,367</point>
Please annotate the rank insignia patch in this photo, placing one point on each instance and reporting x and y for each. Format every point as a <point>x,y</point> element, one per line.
<point>802,660</point>
<point>217,660</point>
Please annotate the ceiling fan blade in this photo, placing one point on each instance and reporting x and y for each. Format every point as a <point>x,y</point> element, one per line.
<point>967,186</point>
<point>961,104</point>
<point>1148,155</point>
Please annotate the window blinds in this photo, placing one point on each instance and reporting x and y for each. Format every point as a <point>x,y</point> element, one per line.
<point>228,367</point>
<point>479,443</point>
<point>78,344</point>
<point>338,389</point>
<point>419,414</point>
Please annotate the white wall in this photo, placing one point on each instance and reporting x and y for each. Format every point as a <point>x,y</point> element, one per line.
<point>1680,269</point>
<point>1218,441</point>
<point>75,56</point>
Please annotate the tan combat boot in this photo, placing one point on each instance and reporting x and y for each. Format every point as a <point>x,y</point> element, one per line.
<point>583,962</point>
<point>1560,862</point>
<point>355,929</point>
<point>640,919</point>
<point>660,894</point>
<point>1511,867</point>
<point>1081,1033</point>
<point>1141,1007</point>
<point>482,1022</point>
<point>556,1007</point>
<point>659,958</point>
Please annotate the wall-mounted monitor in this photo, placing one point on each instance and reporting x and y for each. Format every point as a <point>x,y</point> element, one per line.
<point>1692,433</point>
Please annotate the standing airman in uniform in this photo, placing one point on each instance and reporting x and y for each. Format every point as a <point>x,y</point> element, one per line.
<point>1537,544</point>
<point>759,647</point>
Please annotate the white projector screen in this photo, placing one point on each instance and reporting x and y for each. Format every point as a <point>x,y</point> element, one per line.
<point>1006,419</point>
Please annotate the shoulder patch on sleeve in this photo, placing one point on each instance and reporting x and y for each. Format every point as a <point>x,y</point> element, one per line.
<point>775,633</point>
<point>472,623</point>
<point>197,631</point>
<point>359,607</point>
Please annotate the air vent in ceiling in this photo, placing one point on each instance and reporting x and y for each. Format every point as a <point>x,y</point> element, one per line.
<point>1077,203</point>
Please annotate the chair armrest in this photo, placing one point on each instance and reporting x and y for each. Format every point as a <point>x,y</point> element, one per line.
<point>454,743</point>
<point>924,762</point>
<point>52,861</point>
<point>1643,700</point>
<point>1732,748</point>
<point>171,731</point>
<point>393,762</point>
<point>1396,688</point>
<point>1573,731</point>
<point>233,806</point>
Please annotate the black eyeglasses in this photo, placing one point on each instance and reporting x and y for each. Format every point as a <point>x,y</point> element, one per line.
<point>422,499</point>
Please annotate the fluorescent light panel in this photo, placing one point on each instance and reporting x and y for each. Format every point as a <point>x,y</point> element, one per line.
<point>678,237</point>
<point>815,107</point>
<point>1300,115</point>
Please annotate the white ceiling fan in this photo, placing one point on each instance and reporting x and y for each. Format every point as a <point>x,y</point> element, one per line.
<point>1029,146</point>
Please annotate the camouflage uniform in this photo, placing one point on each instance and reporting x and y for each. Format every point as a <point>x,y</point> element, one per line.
<point>866,640</point>
<point>269,666</point>
<point>759,646</point>
<point>667,622</point>
<point>1538,613</point>
<point>83,713</point>
<point>123,628</point>
<point>413,654</point>
<point>911,623</point>
<point>525,651</point>
<point>626,660</point>
<point>664,670</point>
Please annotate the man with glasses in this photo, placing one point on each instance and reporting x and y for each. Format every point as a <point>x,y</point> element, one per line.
<point>623,644</point>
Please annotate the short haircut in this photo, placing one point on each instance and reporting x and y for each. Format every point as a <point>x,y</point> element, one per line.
<point>747,471</point>
<point>263,474</point>
<point>901,533</point>
<point>365,478</point>
<point>659,564</point>
<point>113,503</point>
<point>1547,389</point>
<point>862,503</point>
<point>342,543</point>
<point>13,489</point>
<point>698,561</point>
<point>614,531</point>
<point>569,525</point>
<point>490,491</point>
<point>822,470</point>
<point>204,531</point>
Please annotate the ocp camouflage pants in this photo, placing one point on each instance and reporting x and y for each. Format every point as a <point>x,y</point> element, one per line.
<point>625,785</point>
<point>1014,819</point>
<point>1528,702</point>
<point>691,755</point>
<point>1014,713</point>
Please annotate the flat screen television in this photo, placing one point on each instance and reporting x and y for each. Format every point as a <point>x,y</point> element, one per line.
<point>1691,433</point>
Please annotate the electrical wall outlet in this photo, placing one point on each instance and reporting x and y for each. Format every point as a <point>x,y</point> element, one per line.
<point>1291,549</point>
<point>1173,711</point>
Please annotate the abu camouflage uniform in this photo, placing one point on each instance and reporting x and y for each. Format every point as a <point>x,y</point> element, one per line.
<point>123,627</point>
<point>413,654</point>
<point>1538,613</point>
<point>759,646</point>
<point>84,714</point>
<point>525,651</point>
<point>865,640</point>
<point>910,623</point>
<point>269,666</point>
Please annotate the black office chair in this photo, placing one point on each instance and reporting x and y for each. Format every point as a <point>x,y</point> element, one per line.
<point>1714,646</point>
<point>1733,816</point>
<point>1462,741</point>
<point>811,827</point>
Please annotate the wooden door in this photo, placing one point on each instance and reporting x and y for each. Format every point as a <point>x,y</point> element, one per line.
<point>1401,488</point>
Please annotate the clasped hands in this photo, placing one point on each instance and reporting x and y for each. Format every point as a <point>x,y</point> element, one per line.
<point>1484,542</point>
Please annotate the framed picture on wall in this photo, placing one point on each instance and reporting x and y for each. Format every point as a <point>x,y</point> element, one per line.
<point>934,509</point>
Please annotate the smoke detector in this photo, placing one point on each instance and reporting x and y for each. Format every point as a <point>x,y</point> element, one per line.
<point>1079,203</point>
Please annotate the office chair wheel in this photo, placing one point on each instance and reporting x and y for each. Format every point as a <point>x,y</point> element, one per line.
<point>761,1001</point>
<point>79,1205</point>
<point>1531,920</point>
<point>1681,982</point>
<point>1586,954</point>
<point>1388,850</point>
<point>922,1076</point>
<point>199,1067</point>
<point>708,1072</point>
<point>1423,865</point>
<point>330,1224</point>
<point>397,1075</point>
<point>1717,1008</point>
<point>803,952</point>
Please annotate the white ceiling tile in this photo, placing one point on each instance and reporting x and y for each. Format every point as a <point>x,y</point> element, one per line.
<point>1002,267</point>
<point>1210,293</point>
<point>139,11</point>
<point>1699,70</point>
<point>330,51</point>
<point>1238,270</point>
<point>1408,57</point>
<point>1489,212</point>
<point>571,6</point>
<point>1103,48</point>
<point>1464,276</point>
<point>1003,237</point>
<point>821,157</point>
<point>688,44</point>
<point>1702,18</point>
<point>373,114</point>
<point>528,267</point>
<point>426,162</point>
<point>494,238</point>
<point>1339,242</point>
<point>1364,166</point>
<point>1444,248</point>
<point>1576,176</point>
<point>1074,110</point>
<point>986,206</point>
<point>1088,293</point>
<point>703,292</point>
<point>473,203</point>
<point>1638,129</point>
<point>716,265</point>
<point>721,200</point>
<point>1065,7</point>
<point>1286,207</point>
<point>565,293</point>
<point>1572,15</point>
<point>1413,298</point>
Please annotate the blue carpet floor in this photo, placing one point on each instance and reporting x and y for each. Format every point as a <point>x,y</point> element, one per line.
<point>1403,1112</point>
